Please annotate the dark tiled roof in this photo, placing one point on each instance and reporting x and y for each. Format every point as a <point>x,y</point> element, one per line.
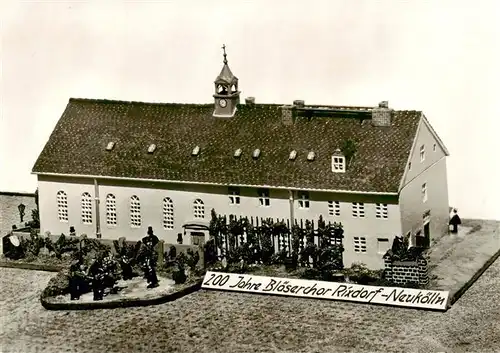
<point>78,146</point>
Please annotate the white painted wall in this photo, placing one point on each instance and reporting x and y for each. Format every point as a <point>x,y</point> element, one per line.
<point>431,171</point>
<point>151,196</point>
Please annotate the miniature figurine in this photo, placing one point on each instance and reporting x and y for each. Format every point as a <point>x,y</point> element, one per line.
<point>97,275</point>
<point>72,231</point>
<point>150,258</point>
<point>77,277</point>
<point>455,221</point>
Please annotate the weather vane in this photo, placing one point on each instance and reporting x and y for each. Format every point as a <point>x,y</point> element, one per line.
<point>224,48</point>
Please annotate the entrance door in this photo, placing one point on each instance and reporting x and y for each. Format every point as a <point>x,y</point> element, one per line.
<point>198,238</point>
<point>427,235</point>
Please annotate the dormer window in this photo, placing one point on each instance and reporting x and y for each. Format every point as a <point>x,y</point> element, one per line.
<point>195,151</point>
<point>110,146</point>
<point>151,148</point>
<point>311,156</point>
<point>292,155</point>
<point>338,164</point>
<point>237,153</point>
<point>256,153</point>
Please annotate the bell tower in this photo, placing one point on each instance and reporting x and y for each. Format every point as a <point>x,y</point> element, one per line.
<point>226,96</point>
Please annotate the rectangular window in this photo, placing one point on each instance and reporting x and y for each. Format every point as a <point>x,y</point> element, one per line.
<point>338,164</point>
<point>382,245</point>
<point>360,244</point>
<point>234,196</point>
<point>381,210</point>
<point>334,208</point>
<point>424,192</point>
<point>358,209</point>
<point>434,148</point>
<point>264,200</point>
<point>422,153</point>
<point>111,210</point>
<point>303,200</point>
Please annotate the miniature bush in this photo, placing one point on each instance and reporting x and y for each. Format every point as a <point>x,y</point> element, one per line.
<point>58,285</point>
<point>179,272</point>
<point>360,274</point>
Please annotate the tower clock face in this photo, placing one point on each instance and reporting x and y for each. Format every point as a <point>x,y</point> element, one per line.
<point>222,103</point>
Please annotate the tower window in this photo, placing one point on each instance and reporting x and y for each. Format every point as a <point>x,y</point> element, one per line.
<point>358,209</point>
<point>135,211</point>
<point>234,196</point>
<point>86,208</point>
<point>304,200</point>
<point>62,206</point>
<point>264,199</point>
<point>334,208</point>
<point>111,210</point>
<point>199,209</point>
<point>168,213</point>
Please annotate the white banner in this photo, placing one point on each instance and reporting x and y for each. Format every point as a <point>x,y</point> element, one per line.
<point>408,297</point>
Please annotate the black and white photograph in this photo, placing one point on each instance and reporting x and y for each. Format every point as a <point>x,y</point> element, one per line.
<point>249,176</point>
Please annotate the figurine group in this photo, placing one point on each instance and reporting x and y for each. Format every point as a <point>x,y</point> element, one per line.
<point>104,270</point>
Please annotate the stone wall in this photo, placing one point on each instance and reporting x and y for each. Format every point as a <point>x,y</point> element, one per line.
<point>402,272</point>
<point>9,213</point>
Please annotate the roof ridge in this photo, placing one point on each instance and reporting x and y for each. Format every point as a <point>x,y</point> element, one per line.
<point>118,101</point>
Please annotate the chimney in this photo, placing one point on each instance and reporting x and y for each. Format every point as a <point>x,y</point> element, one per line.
<point>298,103</point>
<point>287,114</point>
<point>381,116</point>
<point>250,101</point>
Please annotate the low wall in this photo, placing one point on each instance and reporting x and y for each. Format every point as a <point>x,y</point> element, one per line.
<point>402,272</point>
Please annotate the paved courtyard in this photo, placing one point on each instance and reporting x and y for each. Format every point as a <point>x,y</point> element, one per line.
<point>211,321</point>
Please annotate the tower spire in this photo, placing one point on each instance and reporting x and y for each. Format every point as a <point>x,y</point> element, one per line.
<point>225,55</point>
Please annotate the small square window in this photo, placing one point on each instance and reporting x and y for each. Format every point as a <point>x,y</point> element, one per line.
<point>264,200</point>
<point>360,244</point>
<point>381,210</point>
<point>358,209</point>
<point>304,200</point>
<point>422,153</point>
<point>334,208</point>
<point>338,164</point>
<point>382,245</point>
<point>234,196</point>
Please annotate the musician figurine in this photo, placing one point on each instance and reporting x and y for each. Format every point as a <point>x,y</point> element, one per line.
<point>110,270</point>
<point>96,272</point>
<point>77,279</point>
<point>149,258</point>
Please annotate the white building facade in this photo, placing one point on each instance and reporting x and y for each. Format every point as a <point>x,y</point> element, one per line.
<point>111,191</point>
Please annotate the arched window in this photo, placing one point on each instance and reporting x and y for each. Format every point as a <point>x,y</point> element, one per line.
<point>86,208</point>
<point>199,209</point>
<point>62,206</point>
<point>111,210</point>
<point>135,211</point>
<point>168,213</point>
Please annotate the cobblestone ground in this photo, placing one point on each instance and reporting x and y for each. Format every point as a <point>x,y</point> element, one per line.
<point>211,321</point>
